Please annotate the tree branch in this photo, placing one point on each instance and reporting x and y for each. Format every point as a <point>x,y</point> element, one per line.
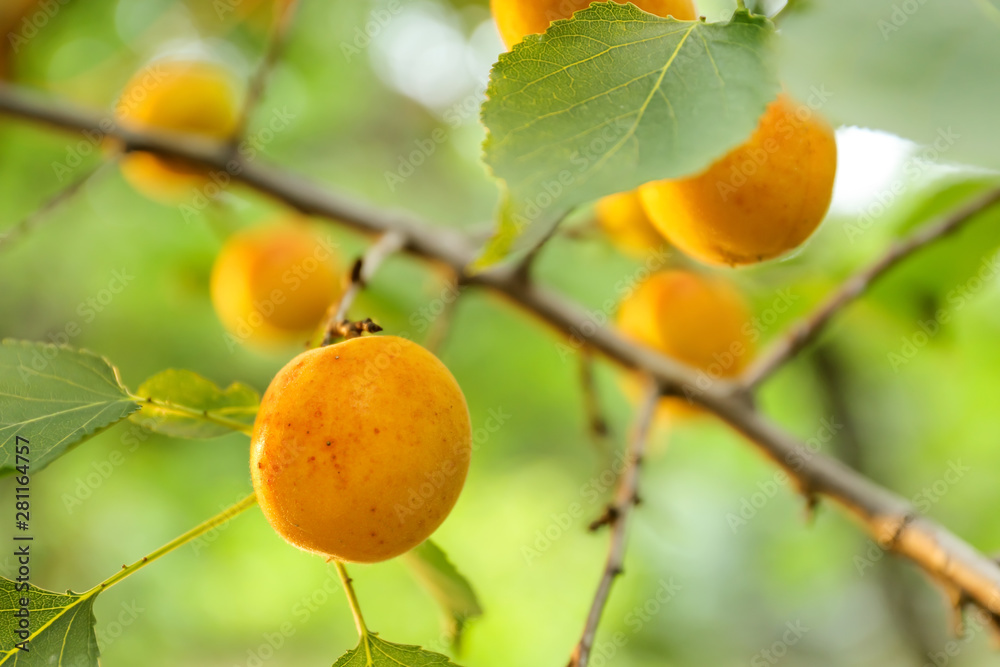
<point>597,425</point>
<point>617,516</point>
<point>807,330</point>
<point>276,40</point>
<point>888,518</point>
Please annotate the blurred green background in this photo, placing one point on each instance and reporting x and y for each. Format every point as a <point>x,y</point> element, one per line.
<point>716,527</point>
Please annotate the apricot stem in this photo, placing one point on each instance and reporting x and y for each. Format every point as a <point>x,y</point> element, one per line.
<point>352,599</point>
<point>185,411</point>
<point>199,530</point>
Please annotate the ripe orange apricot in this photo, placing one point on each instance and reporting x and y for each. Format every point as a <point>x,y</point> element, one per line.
<point>274,284</point>
<point>624,220</point>
<point>360,449</point>
<point>761,200</point>
<point>698,320</point>
<point>195,97</point>
<point>517,18</point>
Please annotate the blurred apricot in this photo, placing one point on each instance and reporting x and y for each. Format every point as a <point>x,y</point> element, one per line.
<point>517,18</point>
<point>760,201</point>
<point>274,284</point>
<point>700,321</point>
<point>624,220</point>
<point>194,97</point>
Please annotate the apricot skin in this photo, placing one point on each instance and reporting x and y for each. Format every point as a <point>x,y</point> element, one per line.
<point>191,97</point>
<point>274,284</point>
<point>788,166</point>
<point>360,450</point>
<point>624,220</point>
<point>698,320</point>
<point>517,18</point>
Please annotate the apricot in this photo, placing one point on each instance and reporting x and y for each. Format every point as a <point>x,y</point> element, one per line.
<point>624,220</point>
<point>274,284</point>
<point>517,18</point>
<point>193,97</point>
<point>360,449</point>
<point>700,321</point>
<point>760,201</point>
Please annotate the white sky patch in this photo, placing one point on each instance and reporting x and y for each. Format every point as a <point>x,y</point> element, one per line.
<point>425,54</point>
<point>868,162</point>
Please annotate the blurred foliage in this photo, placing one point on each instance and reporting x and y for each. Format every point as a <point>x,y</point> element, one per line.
<point>363,97</point>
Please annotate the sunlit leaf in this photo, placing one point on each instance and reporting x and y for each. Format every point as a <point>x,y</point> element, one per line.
<point>202,409</point>
<point>60,629</point>
<point>54,397</point>
<point>373,652</point>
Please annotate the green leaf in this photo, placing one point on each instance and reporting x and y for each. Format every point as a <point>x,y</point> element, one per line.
<point>922,70</point>
<point>373,652</point>
<point>613,98</point>
<point>61,628</point>
<point>55,397</point>
<point>186,405</point>
<point>452,590</point>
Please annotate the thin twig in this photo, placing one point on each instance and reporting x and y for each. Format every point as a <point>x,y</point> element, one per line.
<point>596,423</point>
<point>276,41</point>
<point>523,270</point>
<point>887,517</point>
<point>337,325</point>
<point>806,331</point>
<point>36,217</point>
<point>617,516</point>
<point>440,328</point>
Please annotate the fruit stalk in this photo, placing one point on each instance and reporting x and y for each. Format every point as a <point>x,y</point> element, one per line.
<point>352,599</point>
